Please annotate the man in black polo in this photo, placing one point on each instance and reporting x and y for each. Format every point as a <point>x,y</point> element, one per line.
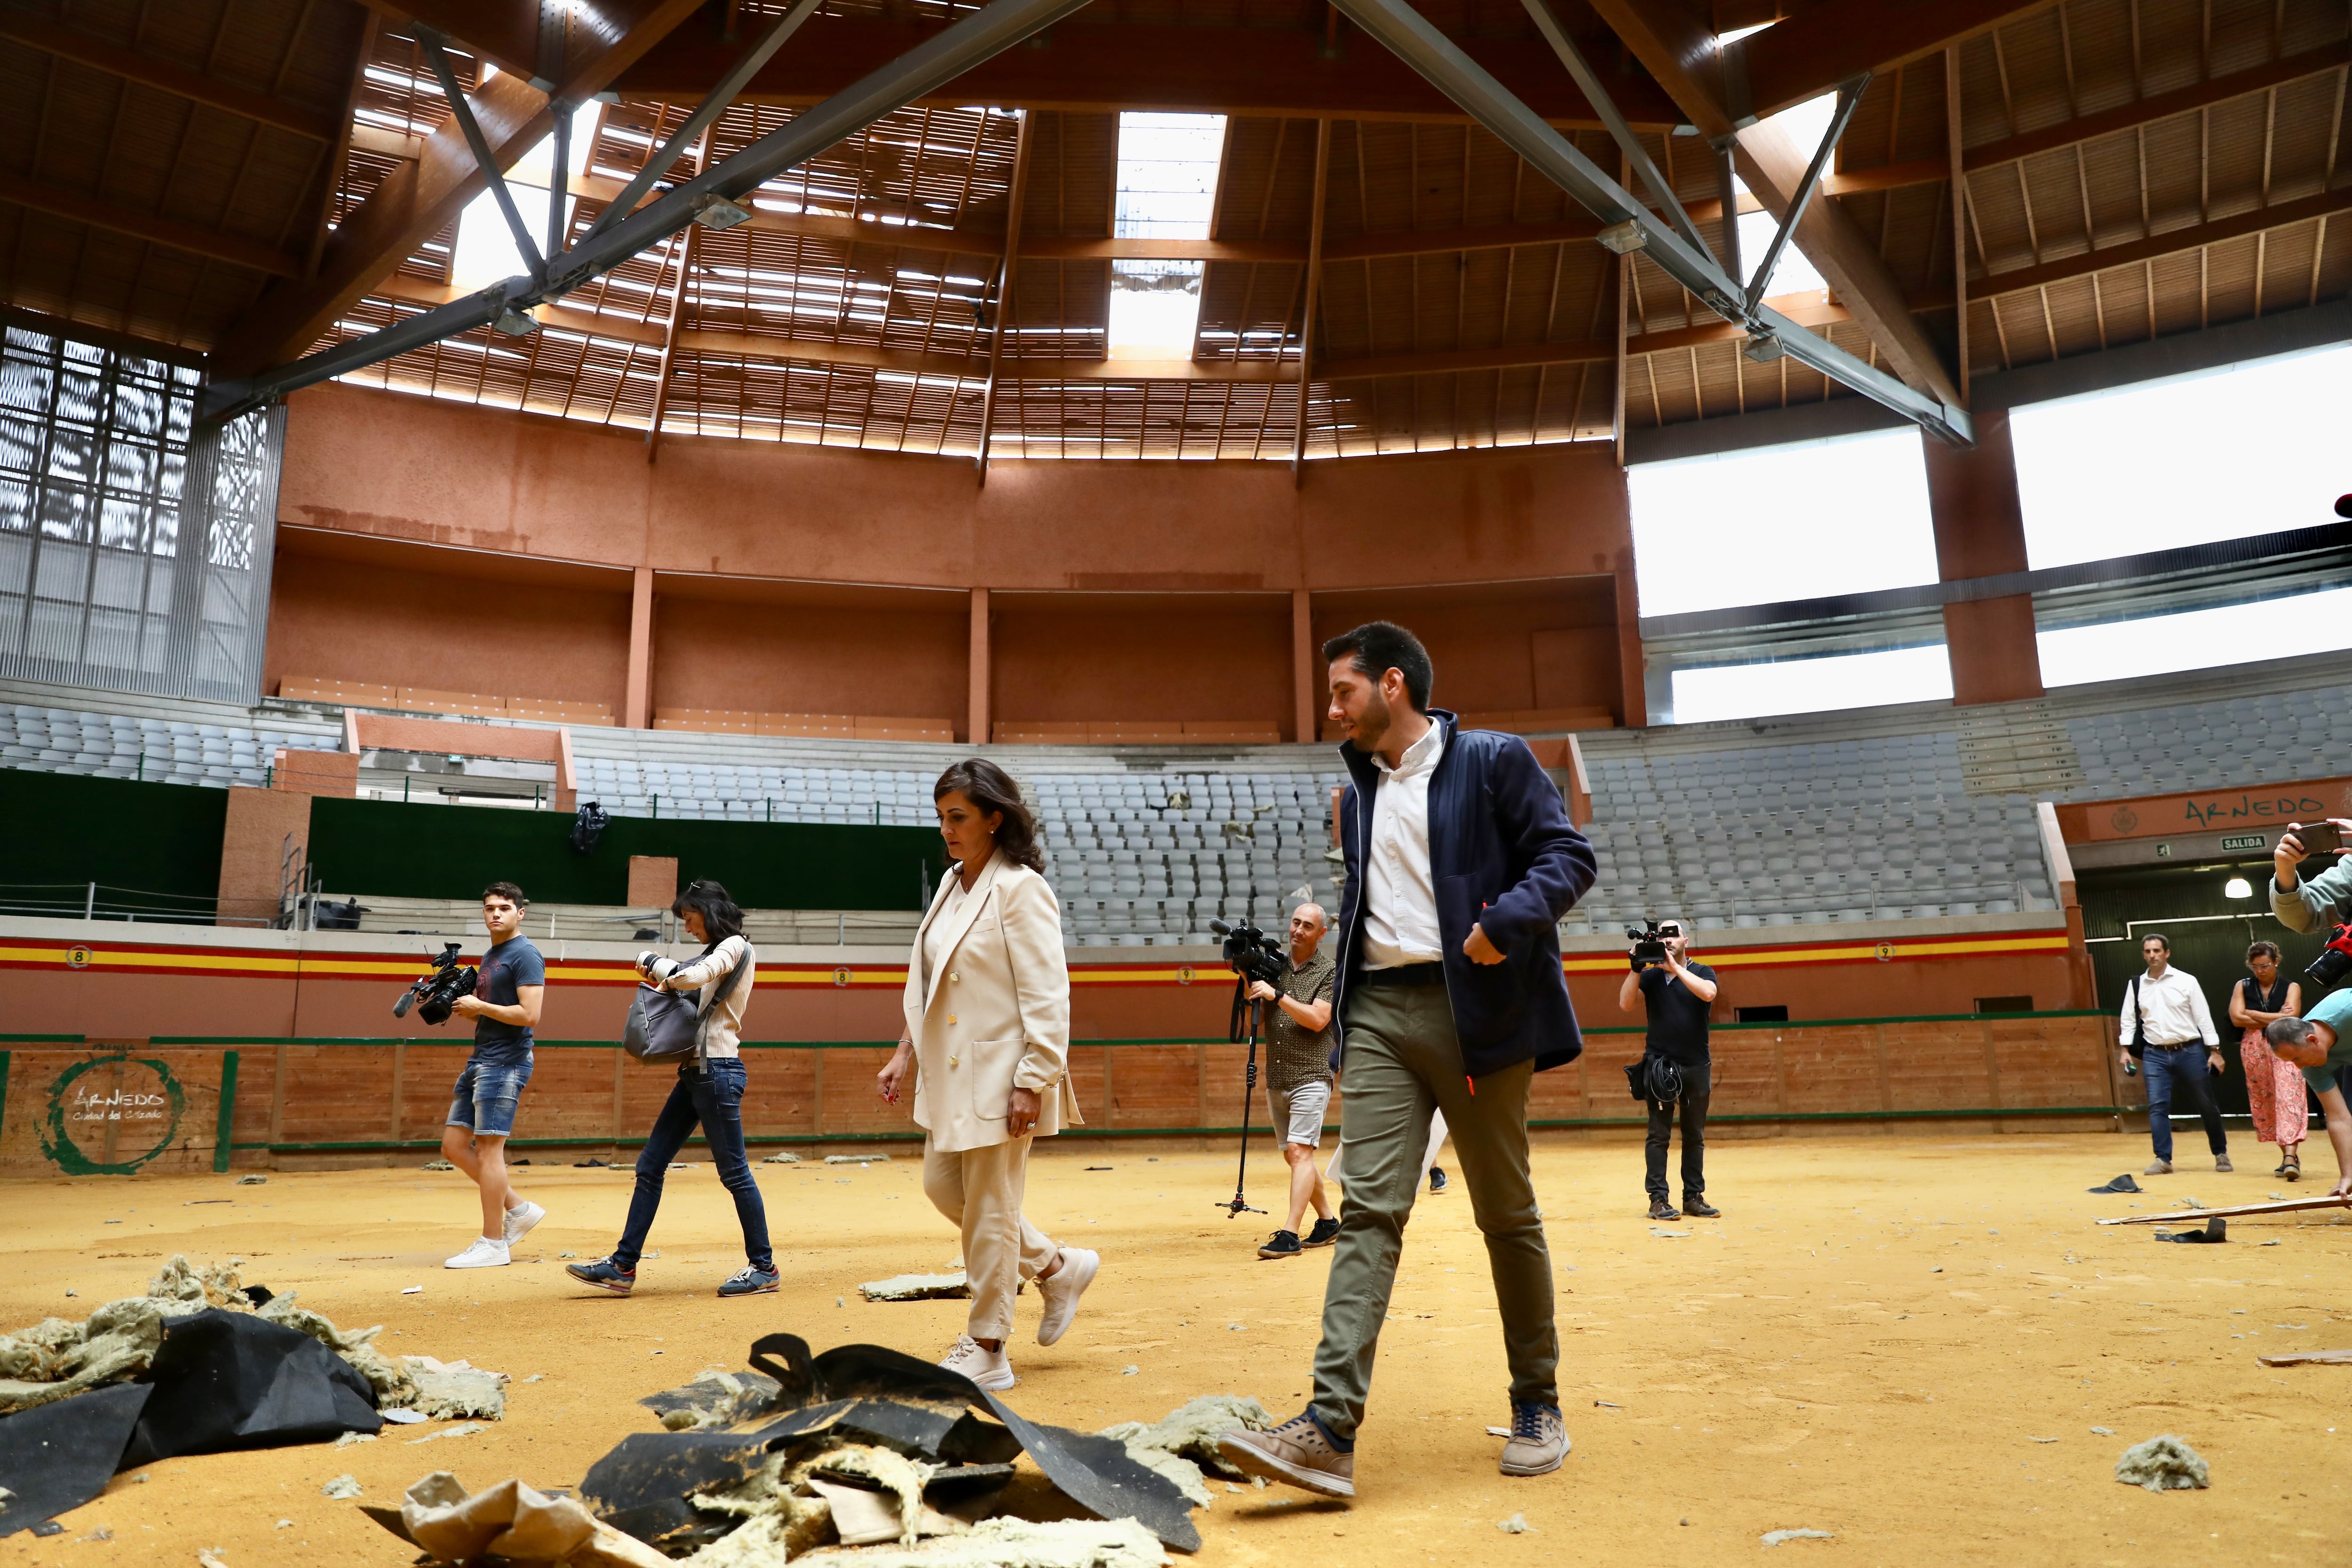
<point>1677,995</point>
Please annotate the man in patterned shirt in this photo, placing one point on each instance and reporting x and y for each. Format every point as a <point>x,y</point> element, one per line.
<point>1298,1040</point>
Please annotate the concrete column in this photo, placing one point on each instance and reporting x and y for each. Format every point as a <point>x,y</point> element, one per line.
<point>1981,532</point>
<point>637,702</point>
<point>1632,695</point>
<point>1305,666</point>
<point>979,718</point>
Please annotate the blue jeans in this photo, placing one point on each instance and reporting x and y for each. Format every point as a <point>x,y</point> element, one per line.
<point>2182,1067</point>
<point>715,1098</point>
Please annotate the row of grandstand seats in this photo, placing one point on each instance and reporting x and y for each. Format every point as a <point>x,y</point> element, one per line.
<point>1135,732</point>
<point>422,700</point>
<point>833,726</point>
<point>114,745</point>
<point>2214,744</point>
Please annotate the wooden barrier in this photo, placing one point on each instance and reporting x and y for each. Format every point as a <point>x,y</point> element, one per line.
<point>83,1107</point>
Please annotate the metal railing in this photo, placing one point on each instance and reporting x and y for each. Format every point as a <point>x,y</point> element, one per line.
<point>106,901</point>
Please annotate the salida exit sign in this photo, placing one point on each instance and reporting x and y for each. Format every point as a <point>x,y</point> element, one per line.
<point>2245,841</point>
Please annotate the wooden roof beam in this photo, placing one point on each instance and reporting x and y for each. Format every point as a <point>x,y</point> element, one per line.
<point>99,212</point>
<point>415,201</point>
<point>71,43</point>
<point>503,32</point>
<point>1098,66</point>
<point>1810,54</point>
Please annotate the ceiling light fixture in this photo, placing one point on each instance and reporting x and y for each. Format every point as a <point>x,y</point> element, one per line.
<point>2237,888</point>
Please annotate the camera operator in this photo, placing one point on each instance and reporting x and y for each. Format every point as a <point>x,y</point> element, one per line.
<point>1298,1041</point>
<point>1677,996</point>
<point>2321,1044</point>
<point>2310,906</point>
<point>505,1009</point>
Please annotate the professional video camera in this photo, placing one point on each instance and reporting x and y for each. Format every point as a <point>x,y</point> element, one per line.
<point>1649,947</point>
<point>1252,955</point>
<point>2335,960</point>
<point>437,990</point>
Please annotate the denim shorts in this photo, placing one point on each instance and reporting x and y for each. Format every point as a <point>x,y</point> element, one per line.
<point>487,1094</point>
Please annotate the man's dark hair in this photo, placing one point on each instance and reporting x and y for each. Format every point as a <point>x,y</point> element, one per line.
<point>2158,938</point>
<point>2287,1032</point>
<point>1378,647</point>
<point>508,891</point>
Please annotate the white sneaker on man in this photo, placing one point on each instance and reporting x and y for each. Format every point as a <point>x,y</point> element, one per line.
<point>988,1368</point>
<point>486,1252</point>
<point>1062,1292</point>
<point>520,1218</point>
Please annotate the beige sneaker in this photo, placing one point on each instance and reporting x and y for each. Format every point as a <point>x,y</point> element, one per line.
<point>1538,1441</point>
<point>1062,1292</point>
<point>988,1368</point>
<point>2160,1168</point>
<point>1297,1452</point>
<point>2222,1162</point>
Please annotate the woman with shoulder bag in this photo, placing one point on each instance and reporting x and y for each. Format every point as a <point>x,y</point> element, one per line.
<point>709,1091</point>
<point>987,1036</point>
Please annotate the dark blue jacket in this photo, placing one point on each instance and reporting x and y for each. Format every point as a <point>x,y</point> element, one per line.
<point>1503,856</point>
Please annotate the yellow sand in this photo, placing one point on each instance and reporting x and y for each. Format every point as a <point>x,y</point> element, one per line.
<point>1869,1342</point>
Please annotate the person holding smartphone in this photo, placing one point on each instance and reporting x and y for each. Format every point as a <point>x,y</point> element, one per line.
<point>2311,906</point>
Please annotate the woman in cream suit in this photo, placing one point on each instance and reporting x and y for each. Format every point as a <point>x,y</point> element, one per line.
<point>987,1035</point>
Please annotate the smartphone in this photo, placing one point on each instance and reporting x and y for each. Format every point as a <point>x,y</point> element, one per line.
<point>2320,838</point>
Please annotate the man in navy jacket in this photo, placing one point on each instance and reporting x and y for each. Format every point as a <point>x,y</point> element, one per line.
<point>1460,861</point>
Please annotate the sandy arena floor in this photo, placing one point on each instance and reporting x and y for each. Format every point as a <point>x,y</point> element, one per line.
<point>1906,1341</point>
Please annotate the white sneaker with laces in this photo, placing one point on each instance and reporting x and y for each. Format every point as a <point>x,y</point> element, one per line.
<point>486,1252</point>
<point>520,1218</point>
<point>988,1368</point>
<point>1062,1292</point>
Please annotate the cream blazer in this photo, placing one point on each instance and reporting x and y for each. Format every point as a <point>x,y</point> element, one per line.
<point>995,1015</point>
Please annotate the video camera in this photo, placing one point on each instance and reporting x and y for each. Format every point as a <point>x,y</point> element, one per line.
<point>1250,954</point>
<point>1649,946</point>
<point>2335,960</point>
<point>437,990</point>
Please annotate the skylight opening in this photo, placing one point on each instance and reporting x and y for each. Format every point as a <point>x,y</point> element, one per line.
<point>1167,188</point>
<point>1792,274</point>
<point>486,248</point>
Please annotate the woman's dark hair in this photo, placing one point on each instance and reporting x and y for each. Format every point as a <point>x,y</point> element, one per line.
<point>991,790</point>
<point>720,917</point>
<point>2261,948</point>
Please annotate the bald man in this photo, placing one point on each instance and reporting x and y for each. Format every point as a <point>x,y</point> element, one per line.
<point>1298,1040</point>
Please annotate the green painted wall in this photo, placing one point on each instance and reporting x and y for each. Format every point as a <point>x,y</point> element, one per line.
<point>72,829</point>
<point>400,850</point>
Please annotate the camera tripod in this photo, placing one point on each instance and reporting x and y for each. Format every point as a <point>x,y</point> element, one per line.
<point>1247,1015</point>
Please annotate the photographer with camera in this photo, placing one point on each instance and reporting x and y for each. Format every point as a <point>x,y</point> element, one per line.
<point>2312,906</point>
<point>2321,1044</point>
<point>1460,861</point>
<point>1298,1040</point>
<point>1677,996</point>
<point>504,1003</point>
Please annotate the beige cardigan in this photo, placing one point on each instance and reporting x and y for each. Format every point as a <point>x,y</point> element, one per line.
<point>995,1015</point>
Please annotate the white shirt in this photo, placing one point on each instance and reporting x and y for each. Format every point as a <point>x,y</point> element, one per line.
<point>935,935</point>
<point>2174,1008</point>
<point>1399,901</point>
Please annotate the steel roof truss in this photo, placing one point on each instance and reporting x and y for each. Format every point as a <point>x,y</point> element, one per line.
<point>463,112</point>
<point>1409,35</point>
<point>980,36</point>
<point>1849,95</point>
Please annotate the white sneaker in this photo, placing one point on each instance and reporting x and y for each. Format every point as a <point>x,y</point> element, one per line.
<point>485,1253</point>
<point>1062,1292</point>
<point>985,1367</point>
<point>520,1218</point>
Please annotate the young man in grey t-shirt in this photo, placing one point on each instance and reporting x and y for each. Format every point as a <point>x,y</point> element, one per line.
<point>1298,1041</point>
<point>511,985</point>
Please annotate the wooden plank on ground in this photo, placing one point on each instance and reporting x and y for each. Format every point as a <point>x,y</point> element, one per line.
<point>2291,1205</point>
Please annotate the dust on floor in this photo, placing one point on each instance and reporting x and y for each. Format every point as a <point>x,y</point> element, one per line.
<point>1906,1341</point>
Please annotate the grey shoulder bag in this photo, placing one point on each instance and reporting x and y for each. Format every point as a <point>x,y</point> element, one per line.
<point>664,1026</point>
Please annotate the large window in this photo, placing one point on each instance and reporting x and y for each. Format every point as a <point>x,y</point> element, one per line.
<point>2198,639</point>
<point>486,248</point>
<point>1812,684</point>
<point>1798,521</point>
<point>2253,448</point>
<point>1167,187</point>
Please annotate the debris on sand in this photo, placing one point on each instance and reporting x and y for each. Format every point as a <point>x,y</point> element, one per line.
<point>1190,1431</point>
<point>1013,1543</point>
<point>2161,1465</point>
<point>2123,1184</point>
<point>857,1159</point>
<point>456,1390</point>
<point>342,1488</point>
<point>1774,1536</point>
<point>1517,1525</point>
<point>786,1158</point>
<point>253,1181</point>
<point>918,1287</point>
<point>2216,1230</point>
<point>438,1165</point>
<point>464,1429</point>
<point>509,1520</point>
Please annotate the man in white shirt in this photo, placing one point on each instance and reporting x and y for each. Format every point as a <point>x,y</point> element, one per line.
<point>1461,860</point>
<point>2167,1024</point>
